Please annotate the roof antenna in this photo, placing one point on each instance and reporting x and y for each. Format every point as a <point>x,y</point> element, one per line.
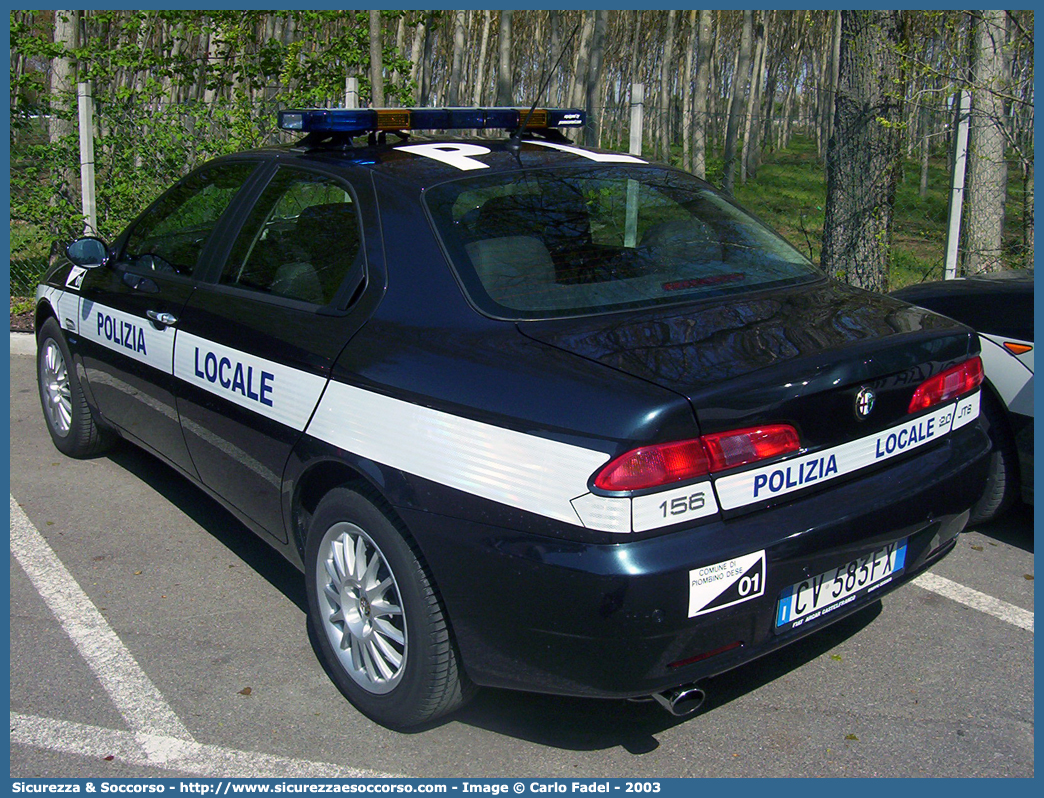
<point>515,139</point>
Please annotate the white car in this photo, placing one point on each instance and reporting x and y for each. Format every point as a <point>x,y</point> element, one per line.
<point>1000,308</point>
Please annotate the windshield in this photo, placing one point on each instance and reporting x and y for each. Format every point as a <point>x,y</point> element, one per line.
<point>553,243</point>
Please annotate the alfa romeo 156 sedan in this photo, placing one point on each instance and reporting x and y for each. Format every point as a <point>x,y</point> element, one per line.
<point>525,414</point>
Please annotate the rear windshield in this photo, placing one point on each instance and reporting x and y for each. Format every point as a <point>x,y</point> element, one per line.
<point>566,242</point>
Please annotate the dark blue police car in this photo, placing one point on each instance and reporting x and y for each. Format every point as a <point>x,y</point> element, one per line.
<point>526,414</point>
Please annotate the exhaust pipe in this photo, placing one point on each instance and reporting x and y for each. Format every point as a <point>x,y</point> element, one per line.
<point>681,701</point>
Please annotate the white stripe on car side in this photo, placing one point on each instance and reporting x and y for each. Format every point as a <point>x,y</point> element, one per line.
<point>528,472</point>
<point>128,334</point>
<point>279,392</point>
<point>513,468</point>
<point>605,513</point>
<point>66,305</point>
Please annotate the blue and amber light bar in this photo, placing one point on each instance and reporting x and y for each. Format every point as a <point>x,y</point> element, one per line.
<point>357,121</point>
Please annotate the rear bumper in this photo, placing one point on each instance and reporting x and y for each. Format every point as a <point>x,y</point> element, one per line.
<point>555,616</point>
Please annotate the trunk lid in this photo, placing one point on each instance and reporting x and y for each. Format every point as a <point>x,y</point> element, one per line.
<point>797,356</point>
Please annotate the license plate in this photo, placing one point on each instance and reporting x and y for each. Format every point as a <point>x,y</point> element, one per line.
<point>819,595</point>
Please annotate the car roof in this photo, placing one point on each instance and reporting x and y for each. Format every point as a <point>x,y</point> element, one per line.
<point>998,304</point>
<point>396,160</point>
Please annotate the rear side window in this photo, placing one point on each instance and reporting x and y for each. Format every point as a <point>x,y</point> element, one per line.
<point>171,235</point>
<point>300,240</point>
<point>564,242</point>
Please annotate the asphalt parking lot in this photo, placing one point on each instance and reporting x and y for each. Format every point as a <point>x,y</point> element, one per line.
<point>153,635</point>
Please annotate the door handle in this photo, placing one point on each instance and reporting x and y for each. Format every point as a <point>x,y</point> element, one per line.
<point>161,317</point>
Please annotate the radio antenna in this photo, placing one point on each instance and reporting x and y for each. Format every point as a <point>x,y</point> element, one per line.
<point>515,139</point>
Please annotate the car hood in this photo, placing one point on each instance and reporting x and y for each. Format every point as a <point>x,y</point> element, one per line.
<point>797,355</point>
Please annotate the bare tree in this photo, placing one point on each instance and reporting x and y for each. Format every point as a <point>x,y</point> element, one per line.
<point>419,35</point>
<point>581,58</point>
<point>863,156</point>
<point>739,90</point>
<point>505,87</point>
<point>453,84</point>
<point>987,168</point>
<point>480,77</point>
<point>63,84</point>
<point>752,124</point>
<point>829,82</point>
<point>376,61</point>
<point>666,76</point>
<point>594,81</point>
<point>687,94</point>
<point>701,111</point>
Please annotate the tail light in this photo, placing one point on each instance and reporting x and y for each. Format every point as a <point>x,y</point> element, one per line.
<point>651,466</point>
<point>956,381</point>
<point>667,463</point>
<point>742,446</point>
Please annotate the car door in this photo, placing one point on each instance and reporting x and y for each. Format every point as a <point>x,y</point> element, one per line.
<point>258,338</point>
<point>130,308</point>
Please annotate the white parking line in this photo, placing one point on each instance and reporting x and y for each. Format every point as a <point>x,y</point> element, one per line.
<point>1006,612</point>
<point>131,690</point>
<point>182,756</point>
<point>157,737</point>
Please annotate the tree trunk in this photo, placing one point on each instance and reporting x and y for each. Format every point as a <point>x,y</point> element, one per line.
<point>987,168</point>
<point>62,119</point>
<point>453,87</point>
<point>687,93</point>
<point>215,51</point>
<point>752,123</point>
<point>863,156</point>
<point>664,105</point>
<point>376,61</point>
<point>416,50</point>
<point>505,87</point>
<point>555,23</point>
<point>594,80</point>
<point>480,77</point>
<point>833,65</point>
<point>739,90</point>
<point>400,50</point>
<point>700,110</point>
<point>583,53</point>
<point>429,45</point>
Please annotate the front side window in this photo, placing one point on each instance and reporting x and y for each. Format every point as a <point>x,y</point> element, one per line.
<point>171,235</point>
<point>300,240</point>
<point>565,242</point>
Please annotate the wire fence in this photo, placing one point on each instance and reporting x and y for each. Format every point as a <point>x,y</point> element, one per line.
<point>25,274</point>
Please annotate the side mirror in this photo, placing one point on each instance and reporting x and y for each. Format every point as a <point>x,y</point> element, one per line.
<point>88,252</point>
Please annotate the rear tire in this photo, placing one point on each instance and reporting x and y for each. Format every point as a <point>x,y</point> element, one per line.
<point>1002,481</point>
<point>70,422</point>
<point>377,619</point>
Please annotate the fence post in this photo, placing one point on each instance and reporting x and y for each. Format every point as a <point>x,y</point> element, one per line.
<point>631,214</point>
<point>351,92</point>
<point>637,108</point>
<point>960,159</point>
<point>85,104</point>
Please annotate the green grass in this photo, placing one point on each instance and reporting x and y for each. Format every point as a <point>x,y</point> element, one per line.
<point>789,193</point>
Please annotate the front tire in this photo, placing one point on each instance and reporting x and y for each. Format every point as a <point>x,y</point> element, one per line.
<point>378,621</point>
<point>69,419</point>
